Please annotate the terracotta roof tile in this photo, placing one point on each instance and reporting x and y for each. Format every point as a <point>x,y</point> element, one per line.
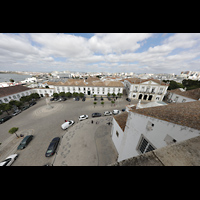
<point>185,114</point>
<point>193,94</point>
<point>12,90</point>
<point>121,119</point>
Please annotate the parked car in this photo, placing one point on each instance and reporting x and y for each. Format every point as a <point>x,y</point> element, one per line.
<point>115,112</point>
<point>77,99</point>
<point>96,115</point>
<point>109,98</point>
<point>9,160</point>
<point>52,147</point>
<point>82,117</point>
<point>25,142</point>
<point>83,99</point>
<point>127,99</point>
<point>2,120</point>
<point>124,109</point>
<point>24,108</point>
<point>16,112</point>
<point>101,98</point>
<point>67,124</point>
<point>32,103</point>
<point>106,113</point>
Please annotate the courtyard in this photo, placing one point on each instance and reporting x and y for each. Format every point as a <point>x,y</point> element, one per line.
<point>82,144</point>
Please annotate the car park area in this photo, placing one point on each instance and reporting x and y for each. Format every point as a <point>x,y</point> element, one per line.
<point>44,123</point>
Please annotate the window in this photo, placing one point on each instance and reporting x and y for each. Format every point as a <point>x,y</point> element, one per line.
<point>5,99</point>
<point>117,134</point>
<point>145,146</point>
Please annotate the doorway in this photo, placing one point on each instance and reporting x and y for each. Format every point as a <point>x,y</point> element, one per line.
<point>140,96</point>
<point>88,92</point>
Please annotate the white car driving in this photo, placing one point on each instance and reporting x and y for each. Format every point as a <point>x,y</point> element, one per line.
<point>9,160</point>
<point>67,124</point>
<point>107,113</point>
<point>82,117</point>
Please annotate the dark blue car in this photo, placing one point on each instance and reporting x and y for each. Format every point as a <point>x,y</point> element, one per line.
<point>52,147</point>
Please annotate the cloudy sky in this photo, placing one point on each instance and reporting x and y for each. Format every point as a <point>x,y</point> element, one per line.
<point>100,52</point>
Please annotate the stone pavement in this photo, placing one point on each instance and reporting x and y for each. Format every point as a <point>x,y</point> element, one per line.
<point>87,144</point>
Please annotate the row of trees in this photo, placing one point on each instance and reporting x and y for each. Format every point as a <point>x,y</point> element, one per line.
<point>81,95</point>
<point>5,107</point>
<point>68,94</point>
<point>188,84</point>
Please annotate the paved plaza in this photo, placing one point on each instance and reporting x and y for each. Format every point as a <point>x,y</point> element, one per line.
<point>82,144</point>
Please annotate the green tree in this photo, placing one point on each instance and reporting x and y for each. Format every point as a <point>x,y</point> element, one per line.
<point>81,95</point>
<point>119,95</point>
<point>75,94</point>
<point>112,102</point>
<point>55,95</point>
<point>102,103</point>
<point>68,94</point>
<point>113,94</point>
<point>14,130</point>
<point>94,103</point>
<point>35,96</point>
<point>62,94</point>
<point>7,107</point>
<point>108,94</point>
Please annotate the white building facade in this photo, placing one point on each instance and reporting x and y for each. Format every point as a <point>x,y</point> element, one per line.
<point>148,89</point>
<point>144,133</point>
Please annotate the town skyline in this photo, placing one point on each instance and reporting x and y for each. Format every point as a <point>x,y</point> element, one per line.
<point>100,52</point>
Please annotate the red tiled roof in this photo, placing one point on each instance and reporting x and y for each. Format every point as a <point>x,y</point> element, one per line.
<point>12,90</point>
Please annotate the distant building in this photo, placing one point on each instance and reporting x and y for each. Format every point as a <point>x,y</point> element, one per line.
<point>142,130</point>
<point>89,86</point>
<point>179,95</point>
<point>13,93</point>
<point>145,89</point>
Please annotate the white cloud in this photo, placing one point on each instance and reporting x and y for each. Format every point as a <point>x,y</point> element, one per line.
<point>117,42</point>
<point>103,51</point>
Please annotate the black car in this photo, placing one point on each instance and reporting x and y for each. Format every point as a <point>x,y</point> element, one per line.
<point>5,119</point>
<point>52,147</point>
<point>83,99</point>
<point>32,103</point>
<point>96,115</point>
<point>127,99</point>
<point>25,142</point>
<point>24,108</point>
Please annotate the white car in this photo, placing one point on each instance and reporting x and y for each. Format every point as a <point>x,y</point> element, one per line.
<point>9,160</point>
<point>67,124</point>
<point>82,117</point>
<point>106,113</point>
<point>115,112</point>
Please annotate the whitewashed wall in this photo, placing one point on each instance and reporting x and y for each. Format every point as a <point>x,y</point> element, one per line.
<point>136,127</point>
